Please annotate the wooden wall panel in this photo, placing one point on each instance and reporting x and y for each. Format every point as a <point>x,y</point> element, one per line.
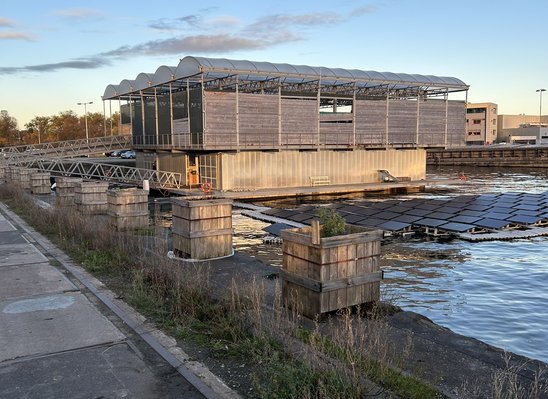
<point>370,122</point>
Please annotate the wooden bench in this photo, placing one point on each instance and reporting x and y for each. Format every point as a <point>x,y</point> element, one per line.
<point>320,180</point>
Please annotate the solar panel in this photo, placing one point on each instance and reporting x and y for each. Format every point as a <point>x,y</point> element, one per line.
<point>273,211</point>
<point>418,212</point>
<point>381,205</point>
<point>526,212</point>
<point>523,219</point>
<point>429,222</point>
<point>464,219</point>
<point>457,227</point>
<point>301,217</point>
<point>371,222</point>
<point>528,207</point>
<point>408,218</point>
<point>398,209</point>
<point>428,207</point>
<point>387,215</point>
<point>472,213</point>
<point>369,211</point>
<point>450,209</point>
<point>492,223</point>
<point>472,207</point>
<point>441,215</point>
<point>498,215</point>
<point>393,226</point>
<point>353,219</point>
<point>351,209</point>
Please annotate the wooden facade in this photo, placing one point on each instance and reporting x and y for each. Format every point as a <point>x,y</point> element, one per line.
<point>246,121</point>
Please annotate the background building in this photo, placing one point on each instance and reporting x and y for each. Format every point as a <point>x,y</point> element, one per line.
<point>481,123</point>
<point>523,129</point>
<point>247,125</point>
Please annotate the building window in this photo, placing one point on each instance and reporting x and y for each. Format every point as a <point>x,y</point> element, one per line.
<point>477,121</point>
<point>494,121</point>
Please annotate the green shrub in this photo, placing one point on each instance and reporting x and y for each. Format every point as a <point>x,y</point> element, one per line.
<point>332,223</point>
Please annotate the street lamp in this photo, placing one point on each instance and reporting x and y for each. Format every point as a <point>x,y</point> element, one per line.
<point>86,116</point>
<point>540,111</point>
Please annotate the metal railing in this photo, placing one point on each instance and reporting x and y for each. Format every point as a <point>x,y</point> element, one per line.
<point>65,149</point>
<point>116,173</point>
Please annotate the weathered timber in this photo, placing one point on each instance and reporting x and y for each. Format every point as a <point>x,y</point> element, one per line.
<point>338,272</point>
<point>128,209</point>
<point>202,229</point>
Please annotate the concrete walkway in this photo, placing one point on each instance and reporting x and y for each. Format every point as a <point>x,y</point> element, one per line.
<point>57,343</point>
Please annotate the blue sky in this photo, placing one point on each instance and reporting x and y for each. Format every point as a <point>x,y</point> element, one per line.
<point>57,53</point>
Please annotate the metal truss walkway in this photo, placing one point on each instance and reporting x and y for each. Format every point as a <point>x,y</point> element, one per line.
<point>58,159</point>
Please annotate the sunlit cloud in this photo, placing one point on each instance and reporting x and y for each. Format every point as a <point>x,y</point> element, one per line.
<point>15,36</point>
<point>6,22</point>
<point>82,63</point>
<point>78,13</point>
<point>175,24</point>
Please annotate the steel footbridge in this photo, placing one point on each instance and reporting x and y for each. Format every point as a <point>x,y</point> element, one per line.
<point>64,158</point>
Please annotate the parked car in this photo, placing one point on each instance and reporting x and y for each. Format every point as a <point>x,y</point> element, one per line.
<point>114,153</point>
<point>128,154</point>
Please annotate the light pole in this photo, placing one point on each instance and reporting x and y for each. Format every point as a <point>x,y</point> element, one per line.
<point>86,116</point>
<point>540,105</point>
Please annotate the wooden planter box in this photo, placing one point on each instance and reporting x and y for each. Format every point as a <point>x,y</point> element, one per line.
<point>339,272</point>
<point>128,209</point>
<point>202,229</point>
<point>91,197</point>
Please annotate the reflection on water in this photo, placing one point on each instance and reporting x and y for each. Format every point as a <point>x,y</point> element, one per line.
<point>494,291</point>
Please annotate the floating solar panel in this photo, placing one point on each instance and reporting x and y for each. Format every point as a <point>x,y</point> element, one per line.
<point>353,219</point>
<point>457,227</point>
<point>387,215</point>
<point>273,211</point>
<point>381,205</point>
<point>473,207</point>
<point>393,226</point>
<point>523,219</point>
<point>472,213</point>
<point>398,209</point>
<point>498,215</point>
<point>428,207</point>
<point>370,211</point>
<point>464,219</point>
<point>351,209</point>
<point>492,223</point>
<point>526,212</point>
<point>284,214</point>
<point>418,212</point>
<point>371,222</point>
<point>450,209</point>
<point>427,222</point>
<point>276,228</point>
<point>528,207</point>
<point>440,215</point>
<point>407,218</point>
<point>302,217</point>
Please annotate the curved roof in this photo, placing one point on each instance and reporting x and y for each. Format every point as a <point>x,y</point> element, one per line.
<point>191,68</point>
<point>164,74</point>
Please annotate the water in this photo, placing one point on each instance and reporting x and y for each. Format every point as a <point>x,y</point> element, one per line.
<point>494,291</point>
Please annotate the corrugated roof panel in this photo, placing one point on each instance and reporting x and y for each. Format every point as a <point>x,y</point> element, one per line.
<point>111,91</point>
<point>164,74</point>
<point>143,81</point>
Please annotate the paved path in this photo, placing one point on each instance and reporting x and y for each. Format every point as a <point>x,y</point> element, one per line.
<point>57,343</point>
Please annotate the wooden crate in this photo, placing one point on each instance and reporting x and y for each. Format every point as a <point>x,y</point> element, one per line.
<point>40,183</point>
<point>91,197</point>
<point>128,209</point>
<point>202,229</point>
<point>65,187</point>
<point>338,272</point>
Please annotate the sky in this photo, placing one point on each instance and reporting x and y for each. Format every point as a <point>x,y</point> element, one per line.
<point>57,53</point>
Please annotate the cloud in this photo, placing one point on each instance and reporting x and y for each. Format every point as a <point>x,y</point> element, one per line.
<point>196,44</point>
<point>15,36</point>
<point>80,63</point>
<point>6,22</point>
<point>78,13</point>
<point>174,24</point>
<point>369,9</point>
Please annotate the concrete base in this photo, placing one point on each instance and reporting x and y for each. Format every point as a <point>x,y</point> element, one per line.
<point>17,254</point>
<point>109,372</point>
<point>38,325</point>
<point>27,281</point>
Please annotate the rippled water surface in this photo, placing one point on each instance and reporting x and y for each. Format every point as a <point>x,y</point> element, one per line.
<point>495,291</point>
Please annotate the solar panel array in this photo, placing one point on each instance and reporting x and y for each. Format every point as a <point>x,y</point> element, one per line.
<point>466,213</point>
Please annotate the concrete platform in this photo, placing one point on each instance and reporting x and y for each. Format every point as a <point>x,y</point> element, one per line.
<point>17,254</point>
<point>107,372</point>
<point>41,278</point>
<point>39,325</point>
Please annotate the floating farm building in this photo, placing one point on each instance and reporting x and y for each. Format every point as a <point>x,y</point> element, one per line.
<point>243,125</point>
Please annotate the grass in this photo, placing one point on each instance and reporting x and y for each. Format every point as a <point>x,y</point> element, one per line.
<point>233,324</point>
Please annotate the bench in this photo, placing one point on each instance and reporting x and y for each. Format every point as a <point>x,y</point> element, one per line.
<point>320,180</point>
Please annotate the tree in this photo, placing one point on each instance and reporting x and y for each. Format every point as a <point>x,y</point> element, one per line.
<point>66,126</point>
<point>9,134</point>
<point>39,129</point>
